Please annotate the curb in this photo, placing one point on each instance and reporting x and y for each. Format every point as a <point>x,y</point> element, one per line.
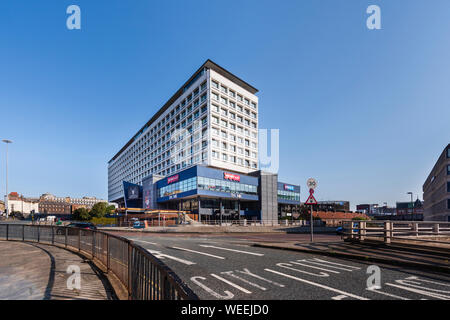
<point>213,232</point>
<point>415,265</point>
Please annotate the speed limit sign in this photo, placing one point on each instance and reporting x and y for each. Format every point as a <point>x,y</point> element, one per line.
<point>311,183</point>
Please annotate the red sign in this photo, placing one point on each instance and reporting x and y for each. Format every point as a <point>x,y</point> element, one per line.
<point>172,179</point>
<point>311,200</point>
<point>231,176</point>
<point>311,191</point>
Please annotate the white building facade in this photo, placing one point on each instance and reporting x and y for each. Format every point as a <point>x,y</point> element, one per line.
<point>212,120</point>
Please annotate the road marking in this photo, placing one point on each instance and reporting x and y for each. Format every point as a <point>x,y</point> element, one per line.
<point>420,286</point>
<point>231,283</point>
<point>337,264</point>
<point>199,252</point>
<point>340,297</point>
<point>288,266</point>
<point>229,295</point>
<point>230,273</point>
<point>314,267</point>
<point>433,295</point>
<point>387,294</point>
<point>429,281</point>
<point>144,241</point>
<point>234,250</point>
<point>158,254</point>
<point>326,264</point>
<point>246,271</point>
<point>318,285</point>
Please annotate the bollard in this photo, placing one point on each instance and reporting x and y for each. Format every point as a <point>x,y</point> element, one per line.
<point>387,231</point>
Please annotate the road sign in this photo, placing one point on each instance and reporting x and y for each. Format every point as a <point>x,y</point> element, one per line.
<point>311,200</point>
<point>311,183</point>
<point>311,191</point>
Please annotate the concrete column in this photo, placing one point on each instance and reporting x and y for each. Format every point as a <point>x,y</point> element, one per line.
<point>362,230</point>
<point>415,229</point>
<point>436,228</point>
<point>387,231</point>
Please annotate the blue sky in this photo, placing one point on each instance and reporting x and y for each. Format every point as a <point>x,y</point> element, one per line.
<point>366,112</point>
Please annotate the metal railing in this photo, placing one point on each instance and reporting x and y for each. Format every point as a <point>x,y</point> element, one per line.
<point>144,276</point>
<point>387,231</point>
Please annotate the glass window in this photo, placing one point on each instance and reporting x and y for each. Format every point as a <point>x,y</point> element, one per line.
<point>448,170</point>
<point>215,84</point>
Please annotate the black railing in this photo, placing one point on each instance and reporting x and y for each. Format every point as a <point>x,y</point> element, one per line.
<point>144,276</point>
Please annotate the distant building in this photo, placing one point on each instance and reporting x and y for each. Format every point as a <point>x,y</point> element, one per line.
<point>375,210</point>
<point>2,206</point>
<point>19,203</point>
<point>411,208</point>
<point>334,206</point>
<point>50,204</point>
<point>436,190</point>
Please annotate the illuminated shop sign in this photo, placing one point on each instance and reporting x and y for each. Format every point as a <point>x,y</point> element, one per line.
<point>288,187</point>
<point>172,179</point>
<point>232,177</point>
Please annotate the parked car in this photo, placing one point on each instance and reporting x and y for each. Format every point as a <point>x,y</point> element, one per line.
<point>138,225</point>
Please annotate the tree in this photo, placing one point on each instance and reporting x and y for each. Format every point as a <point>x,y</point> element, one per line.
<point>81,214</point>
<point>99,210</point>
<point>110,209</point>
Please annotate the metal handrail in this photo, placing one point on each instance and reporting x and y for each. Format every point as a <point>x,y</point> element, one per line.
<point>144,276</point>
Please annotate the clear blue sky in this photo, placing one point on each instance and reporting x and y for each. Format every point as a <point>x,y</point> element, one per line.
<point>365,112</point>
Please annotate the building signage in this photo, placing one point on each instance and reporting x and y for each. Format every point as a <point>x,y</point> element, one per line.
<point>289,188</point>
<point>232,177</point>
<point>172,179</point>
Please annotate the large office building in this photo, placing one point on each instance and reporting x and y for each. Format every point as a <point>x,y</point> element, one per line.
<point>436,190</point>
<point>200,152</point>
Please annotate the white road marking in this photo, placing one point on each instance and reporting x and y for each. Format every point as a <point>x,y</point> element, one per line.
<point>143,241</point>
<point>234,250</point>
<point>246,271</point>
<point>230,273</point>
<point>158,254</point>
<point>288,266</point>
<point>231,283</point>
<point>340,297</point>
<point>387,294</point>
<point>429,294</point>
<point>199,252</point>
<point>429,281</point>
<point>337,264</point>
<point>420,286</point>
<point>326,264</point>
<point>318,285</point>
<point>229,295</point>
<point>314,267</point>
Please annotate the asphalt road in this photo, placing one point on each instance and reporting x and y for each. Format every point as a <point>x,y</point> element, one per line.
<point>227,267</point>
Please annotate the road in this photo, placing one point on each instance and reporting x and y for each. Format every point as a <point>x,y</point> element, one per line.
<point>228,267</point>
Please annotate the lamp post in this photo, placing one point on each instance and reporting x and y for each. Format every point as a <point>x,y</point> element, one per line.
<point>412,204</point>
<point>7,197</point>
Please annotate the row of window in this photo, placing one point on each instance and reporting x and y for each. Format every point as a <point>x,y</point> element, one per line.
<point>226,186</point>
<point>231,93</point>
<point>288,195</point>
<point>178,187</point>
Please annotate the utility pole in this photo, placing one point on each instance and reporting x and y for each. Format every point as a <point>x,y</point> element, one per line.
<point>7,196</point>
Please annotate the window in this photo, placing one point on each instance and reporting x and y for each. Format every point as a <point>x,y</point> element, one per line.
<point>448,153</point>
<point>448,170</point>
<point>253,105</point>
<point>448,203</point>
<point>448,186</point>
<point>232,93</point>
<point>224,100</point>
<point>223,89</point>
<point>239,97</point>
<point>215,96</point>
<point>215,84</point>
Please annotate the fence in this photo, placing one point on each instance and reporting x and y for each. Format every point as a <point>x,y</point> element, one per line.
<point>396,230</point>
<point>143,275</point>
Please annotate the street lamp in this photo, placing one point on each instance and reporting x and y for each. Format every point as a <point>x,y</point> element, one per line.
<point>412,204</point>
<point>7,197</point>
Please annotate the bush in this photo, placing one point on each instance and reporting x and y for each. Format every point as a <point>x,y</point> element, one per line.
<point>81,214</point>
<point>103,221</point>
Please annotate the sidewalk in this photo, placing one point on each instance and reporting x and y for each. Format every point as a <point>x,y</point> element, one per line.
<point>394,254</point>
<point>33,271</point>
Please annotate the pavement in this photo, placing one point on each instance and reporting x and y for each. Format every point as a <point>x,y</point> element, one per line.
<point>33,271</point>
<point>229,266</point>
